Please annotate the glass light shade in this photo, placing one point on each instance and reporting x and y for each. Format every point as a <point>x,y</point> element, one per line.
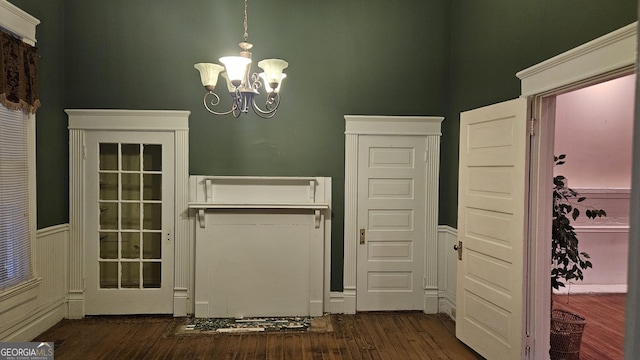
<point>277,89</point>
<point>209,73</point>
<point>236,68</point>
<point>230,86</point>
<point>273,70</point>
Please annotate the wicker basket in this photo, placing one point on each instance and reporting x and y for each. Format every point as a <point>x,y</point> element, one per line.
<point>566,335</point>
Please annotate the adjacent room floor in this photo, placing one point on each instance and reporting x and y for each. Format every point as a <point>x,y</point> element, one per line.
<point>603,336</point>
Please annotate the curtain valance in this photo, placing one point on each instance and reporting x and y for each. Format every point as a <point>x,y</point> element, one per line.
<point>18,74</point>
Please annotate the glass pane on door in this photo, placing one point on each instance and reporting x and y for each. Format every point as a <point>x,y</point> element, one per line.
<point>130,204</point>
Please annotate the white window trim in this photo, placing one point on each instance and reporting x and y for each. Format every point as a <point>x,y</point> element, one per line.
<point>23,25</point>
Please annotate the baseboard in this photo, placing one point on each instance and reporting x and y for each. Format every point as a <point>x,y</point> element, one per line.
<point>592,289</point>
<point>336,303</point>
<point>75,304</point>
<point>445,306</point>
<point>36,324</point>
<point>180,301</point>
<point>430,305</point>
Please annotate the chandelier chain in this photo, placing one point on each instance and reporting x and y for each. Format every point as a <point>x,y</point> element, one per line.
<point>246,32</point>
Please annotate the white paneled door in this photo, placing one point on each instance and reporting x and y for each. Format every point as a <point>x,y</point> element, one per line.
<point>129,214</point>
<point>391,222</point>
<point>491,229</point>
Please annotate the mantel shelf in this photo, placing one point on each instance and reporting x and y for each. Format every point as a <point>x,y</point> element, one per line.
<point>203,206</point>
<point>214,205</point>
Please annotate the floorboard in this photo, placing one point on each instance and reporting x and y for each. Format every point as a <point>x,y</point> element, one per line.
<point>364,336</point>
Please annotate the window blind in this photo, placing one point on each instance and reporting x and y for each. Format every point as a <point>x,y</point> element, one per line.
<point>15,247</point>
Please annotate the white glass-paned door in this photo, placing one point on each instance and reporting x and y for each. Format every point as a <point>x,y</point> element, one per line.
<point>129,244</point>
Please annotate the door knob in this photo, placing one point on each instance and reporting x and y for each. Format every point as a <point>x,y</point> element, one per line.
<point>458,248</point>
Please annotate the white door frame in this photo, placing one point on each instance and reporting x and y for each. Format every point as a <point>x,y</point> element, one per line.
<point>357,125</point>
<point>606,57</point>
<point>176,122</point>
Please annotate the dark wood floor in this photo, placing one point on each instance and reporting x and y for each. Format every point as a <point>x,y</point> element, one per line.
<point>388,335</point>
<point>603,336</point>
<point>391,335</point>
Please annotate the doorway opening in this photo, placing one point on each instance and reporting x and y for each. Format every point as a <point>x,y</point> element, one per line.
<point>592,123</point>
<point>593,126</point>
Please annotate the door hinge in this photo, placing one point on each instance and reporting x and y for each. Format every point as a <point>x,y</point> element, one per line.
<point>426,156</point>
<point>532,123</point>
<point>84,151</point>
<point>528,343</point>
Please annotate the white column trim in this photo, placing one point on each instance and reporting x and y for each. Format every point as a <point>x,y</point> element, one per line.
<point>75,296</point>
<point>431,221</point>
<point>182,240</point>
<point>350,223</point>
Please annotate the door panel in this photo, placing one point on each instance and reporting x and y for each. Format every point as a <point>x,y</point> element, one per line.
<point>129,215</point>
<point>391,213</point>
<point>491,228</point>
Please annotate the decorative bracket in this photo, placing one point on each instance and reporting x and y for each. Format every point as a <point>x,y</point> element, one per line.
<point>202,218</point>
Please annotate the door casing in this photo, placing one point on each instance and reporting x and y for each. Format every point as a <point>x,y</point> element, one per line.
<point>175,122</point>
<point>609,56</point>
<point>363,125</point>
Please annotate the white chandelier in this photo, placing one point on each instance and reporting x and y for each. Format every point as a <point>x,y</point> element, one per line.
<point>242,84</point>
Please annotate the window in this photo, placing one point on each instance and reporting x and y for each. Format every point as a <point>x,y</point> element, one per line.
<point>15,249</point>
<point>17,147</point>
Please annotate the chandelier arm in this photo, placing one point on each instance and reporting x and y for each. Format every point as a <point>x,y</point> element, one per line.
<point>268,114</point>
<point>273,101</point>
<point>215,102</point>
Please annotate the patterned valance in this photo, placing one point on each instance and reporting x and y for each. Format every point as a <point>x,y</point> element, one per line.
<point>18,74</point>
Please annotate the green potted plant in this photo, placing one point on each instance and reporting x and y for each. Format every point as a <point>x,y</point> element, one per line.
<point>567,262</point>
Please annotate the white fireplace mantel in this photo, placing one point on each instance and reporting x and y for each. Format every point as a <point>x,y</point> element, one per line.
<point>262,244</point>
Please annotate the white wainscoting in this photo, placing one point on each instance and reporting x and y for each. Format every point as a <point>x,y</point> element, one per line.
<point>30,309</point>
<point>447,262</point>
<point>606,240</point>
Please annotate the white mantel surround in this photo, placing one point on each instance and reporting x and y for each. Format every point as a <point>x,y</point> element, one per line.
<point>262,245</point>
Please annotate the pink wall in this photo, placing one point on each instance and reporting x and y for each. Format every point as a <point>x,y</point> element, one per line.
<point>594,128</point>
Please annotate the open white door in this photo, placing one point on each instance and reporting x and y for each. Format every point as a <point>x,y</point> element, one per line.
<point>491,229</point>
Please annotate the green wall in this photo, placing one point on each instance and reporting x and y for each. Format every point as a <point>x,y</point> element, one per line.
<point>52,149</point>
<point>347,57</point>
<point>491,40</point>
<point>409,57</point>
